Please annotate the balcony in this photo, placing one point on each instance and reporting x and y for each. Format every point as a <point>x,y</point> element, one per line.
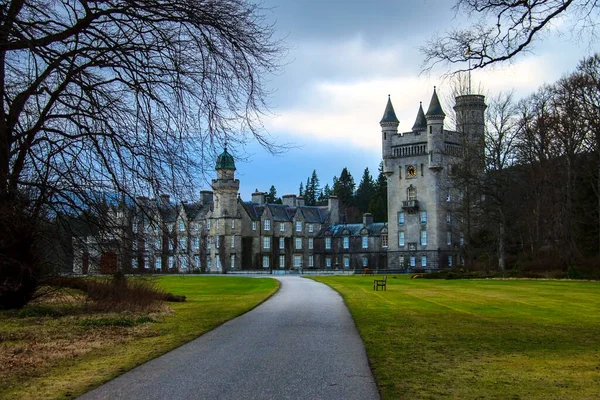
<point>410,204</point>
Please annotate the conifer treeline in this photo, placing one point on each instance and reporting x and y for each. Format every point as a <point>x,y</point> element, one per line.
<point>370,195</point>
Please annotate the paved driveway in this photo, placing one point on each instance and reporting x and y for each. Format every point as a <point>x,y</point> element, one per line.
<point>300,344</point>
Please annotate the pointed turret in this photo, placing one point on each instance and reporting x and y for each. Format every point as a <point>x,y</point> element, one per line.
<point>435,108</point>
<point>389,128</point>
<point>420,122</point>
<point>389,115</point>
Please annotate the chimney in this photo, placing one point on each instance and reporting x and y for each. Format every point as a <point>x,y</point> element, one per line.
<point>165,199</point>
<point>367,219</point>
<point>141,200</point>
<point>334,210</point>
<point>289,200</point>
<point>206,197</point>
<point>258,197</point>
<point>300,201</point>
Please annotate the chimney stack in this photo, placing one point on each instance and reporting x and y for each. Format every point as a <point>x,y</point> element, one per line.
<point>258,197</point>
<point>206,197</point>
<point>367,219</point>
<point>334,210</point>
<point>289,200</point>
<point>300,201</point>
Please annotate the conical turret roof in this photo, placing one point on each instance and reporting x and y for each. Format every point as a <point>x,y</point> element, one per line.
<point>389,115</point>
<point>435,108</point>
<point>420,122</point>
<point>225,160</point>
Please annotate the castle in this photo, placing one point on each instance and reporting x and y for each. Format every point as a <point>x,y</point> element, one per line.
<point>222,233</point>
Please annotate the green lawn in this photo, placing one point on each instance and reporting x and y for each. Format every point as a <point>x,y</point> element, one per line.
<point>478,339</point>
<point>47,352</point>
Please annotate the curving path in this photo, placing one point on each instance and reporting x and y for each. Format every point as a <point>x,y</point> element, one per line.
<point>300,344</point>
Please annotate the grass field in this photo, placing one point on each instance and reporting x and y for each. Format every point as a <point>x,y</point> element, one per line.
<point>58,350</point>
<point>478,339</point>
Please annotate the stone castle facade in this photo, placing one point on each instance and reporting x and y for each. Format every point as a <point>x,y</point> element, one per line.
<point>222,233</point>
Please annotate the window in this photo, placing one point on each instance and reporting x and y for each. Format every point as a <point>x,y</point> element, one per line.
<point>217,241</point>
<point>448,219</point>
<point>266,242</point>
<point>411,193</point>
<point>183,262</point>
<point>170,244</point>
<point>365,242</point>
<point>423,261</point>
<point>449,261</point>
<point>298,226</point>
<point>282,227</point>
<point>346,262</point>
<point>157,263</point>
<point>233,242</point>
<point>209,243</point>
<point>182,243</point>
<point>401,238</point>
<point>217,223</point>
<point>365,261</point>
<point>157,245</point>
<point>181,226</point>
<point>134,245</point>
<point>197,261</point>
<point>218,263</point>
<point>401,218</point>
<point>233,224</point>
<point>232,261</point>
<point>449,238</point>
<point>412,261</point>
<point>171,261</point>
<point>297,261</point>
<point>253,225</point>
<point>282,262</point>
<point>423,238</point>
<point>135,227</point>
<point>328,262</point>
<point>171,227</point>
<point>311,261</point>
<point>134,263</point>
<point>310,228</point>
<point>281,243</point>
<point>401,261</point>
<point>346,242</point>
<point>423,217</point>
<point>196,242</point>
<point>448,196</point>
<point>208,224</point>
<point>310,243</point>
<point>462,239</point>
<point>384,240</point>
<point>208,264</point>
<point>267,224</point>
<point>298,243</point>
<point>328,243</point>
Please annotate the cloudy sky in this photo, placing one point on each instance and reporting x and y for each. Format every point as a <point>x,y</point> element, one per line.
<point>345,57</point>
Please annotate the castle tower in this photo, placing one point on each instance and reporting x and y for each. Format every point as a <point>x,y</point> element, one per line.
<point>225,226</point>
<point>470,124</point>
<point>389,127</point>
<point>435,132</point>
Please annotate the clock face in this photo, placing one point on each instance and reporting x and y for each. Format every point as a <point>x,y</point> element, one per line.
<point>411,171</point>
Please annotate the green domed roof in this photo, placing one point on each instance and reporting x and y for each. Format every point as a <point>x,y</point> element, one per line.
<point>225,161</point>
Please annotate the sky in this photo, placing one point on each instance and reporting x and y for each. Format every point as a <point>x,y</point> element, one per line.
<point>344,58</point>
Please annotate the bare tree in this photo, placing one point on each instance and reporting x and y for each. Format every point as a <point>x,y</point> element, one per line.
<point>502,29</point>
<point>120,96</point>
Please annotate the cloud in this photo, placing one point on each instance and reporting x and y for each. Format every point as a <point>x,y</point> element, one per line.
<point>346,112</point>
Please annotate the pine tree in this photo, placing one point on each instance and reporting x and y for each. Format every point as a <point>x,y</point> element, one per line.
<point>301,190</point>
<point>308,193</point>
<point>365,191</point>
<point>272,195</point>
<point>343,188</point>
<point>378,204</point>
<point>326,192</point>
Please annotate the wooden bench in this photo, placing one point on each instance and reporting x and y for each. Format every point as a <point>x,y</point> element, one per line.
<point>377,283</point>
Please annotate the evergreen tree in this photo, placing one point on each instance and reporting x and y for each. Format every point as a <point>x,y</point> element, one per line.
<point>343,188</point>
<point>365,191</point>
<point>308,193</point>
<point>301,190</point>
<point>272,195</point>
<point>378,203</point>
<point>325,193</point>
